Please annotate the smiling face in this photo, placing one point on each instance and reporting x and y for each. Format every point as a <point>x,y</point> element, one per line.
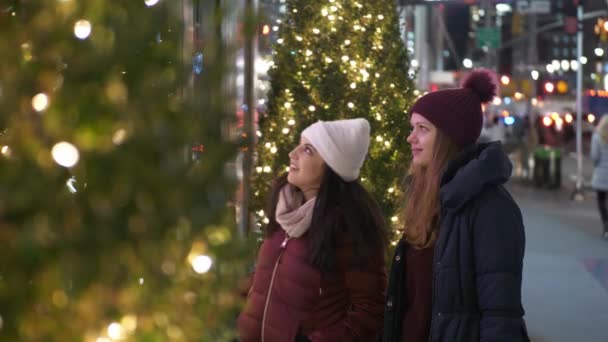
<point>306,168</point>
<point>422,140</point>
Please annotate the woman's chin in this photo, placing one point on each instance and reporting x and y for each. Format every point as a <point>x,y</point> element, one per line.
<point>291,178</point>
<point>418,162</point>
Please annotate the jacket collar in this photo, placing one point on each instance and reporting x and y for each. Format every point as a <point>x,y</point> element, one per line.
<point>475,167</point>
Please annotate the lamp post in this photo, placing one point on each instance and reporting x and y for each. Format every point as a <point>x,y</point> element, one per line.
<point>578,194</point>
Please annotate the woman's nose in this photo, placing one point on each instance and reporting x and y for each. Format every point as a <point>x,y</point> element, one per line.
<point>293,153</point>
<point>410,138</point>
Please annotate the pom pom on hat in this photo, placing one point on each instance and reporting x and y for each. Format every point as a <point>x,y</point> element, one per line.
<point>483,83</point>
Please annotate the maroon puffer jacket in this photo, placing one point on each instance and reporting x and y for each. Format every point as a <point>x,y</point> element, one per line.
<point>289,295</point>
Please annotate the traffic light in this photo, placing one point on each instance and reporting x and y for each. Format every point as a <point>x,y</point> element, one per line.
<point>601,29</point>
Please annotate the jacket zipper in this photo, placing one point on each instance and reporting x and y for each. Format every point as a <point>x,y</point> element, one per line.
<point>435,269</point>
<point>432,303</point>
<point>274,271</point>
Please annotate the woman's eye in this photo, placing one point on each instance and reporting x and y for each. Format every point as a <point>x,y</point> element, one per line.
<point>308,150</point>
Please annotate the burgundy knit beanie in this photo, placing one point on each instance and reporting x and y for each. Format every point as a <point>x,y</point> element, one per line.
<point>457,112</point>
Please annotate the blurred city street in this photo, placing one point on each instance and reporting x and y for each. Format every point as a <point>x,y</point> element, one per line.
<point>565,285</point>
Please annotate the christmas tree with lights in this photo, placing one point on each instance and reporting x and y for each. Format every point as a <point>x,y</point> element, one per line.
<point>114,222</point>
<point>337,59</point>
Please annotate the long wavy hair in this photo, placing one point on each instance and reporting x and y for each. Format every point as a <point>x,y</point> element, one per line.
<point>420,215</point>
<point>342,209</point>
<point>602,128</point>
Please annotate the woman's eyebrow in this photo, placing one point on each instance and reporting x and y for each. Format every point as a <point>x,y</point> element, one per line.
<point>310,146</point>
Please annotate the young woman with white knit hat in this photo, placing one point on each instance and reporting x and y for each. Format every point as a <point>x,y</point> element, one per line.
<point>320,273</point>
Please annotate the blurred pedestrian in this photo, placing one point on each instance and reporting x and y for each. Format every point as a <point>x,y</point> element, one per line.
<point>599,180</point>
<point>457,270</point>
<point>320,273</point>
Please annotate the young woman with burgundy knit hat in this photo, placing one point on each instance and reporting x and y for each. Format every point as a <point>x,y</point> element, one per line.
<point>457,271</point>
<point>320,273</point>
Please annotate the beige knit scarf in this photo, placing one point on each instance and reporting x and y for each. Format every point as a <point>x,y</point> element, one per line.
<point>292,213</point>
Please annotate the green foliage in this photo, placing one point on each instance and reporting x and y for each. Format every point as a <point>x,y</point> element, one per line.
<point>338,60</point>
<point>119,249</point>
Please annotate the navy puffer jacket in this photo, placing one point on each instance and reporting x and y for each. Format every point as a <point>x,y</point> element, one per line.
<point>477,270</point>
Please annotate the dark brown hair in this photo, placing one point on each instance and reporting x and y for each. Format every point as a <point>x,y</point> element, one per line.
<point>342,210</point>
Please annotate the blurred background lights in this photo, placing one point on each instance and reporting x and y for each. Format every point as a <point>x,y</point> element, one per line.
<point>65,154</point>
<point>151,3</point>
<point>535,74</point>
<point>70,184</point>
<point>116,331</point>
<point>40,102</point>
<point>201,264</point>
<point>129,323</point>
<point>82,29</point>
<point>6,151</point>
<point>119,136</point>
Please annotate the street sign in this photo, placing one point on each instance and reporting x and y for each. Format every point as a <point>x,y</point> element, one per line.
<point>488,36</point>
<point>534,6</point>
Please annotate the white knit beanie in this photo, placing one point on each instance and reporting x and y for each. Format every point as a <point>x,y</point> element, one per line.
<point>342,144</point>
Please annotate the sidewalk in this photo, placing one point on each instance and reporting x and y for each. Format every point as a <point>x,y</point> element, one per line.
<point>565,285</point>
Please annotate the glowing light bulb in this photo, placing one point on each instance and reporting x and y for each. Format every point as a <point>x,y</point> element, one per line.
<point>65,154</point>
<point>82,29</point>
<point>116,331</point>
<point>40,102</point>
<point>119,136</point>
<point>202,264</point>
<point>6,151</point>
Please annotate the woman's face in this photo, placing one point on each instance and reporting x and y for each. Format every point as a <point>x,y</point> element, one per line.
<point>306,168</point>
<point>422,140</point>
